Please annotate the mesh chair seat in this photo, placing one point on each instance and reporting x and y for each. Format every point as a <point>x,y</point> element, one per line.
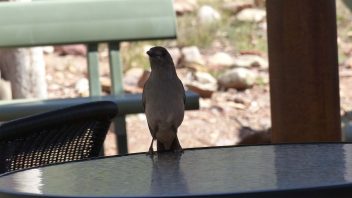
<point>67,134</point>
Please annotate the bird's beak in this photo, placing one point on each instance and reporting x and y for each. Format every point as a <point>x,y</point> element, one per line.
<point>149,53</point>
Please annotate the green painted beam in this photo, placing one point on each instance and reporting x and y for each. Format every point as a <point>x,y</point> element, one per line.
<point>83,21</point>
<point>93,70</point>
<point>116,68</point>
<point>126,103</point>
<point>121,131</point>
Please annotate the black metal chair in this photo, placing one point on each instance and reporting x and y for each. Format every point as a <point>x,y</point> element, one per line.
<point>63,135</point>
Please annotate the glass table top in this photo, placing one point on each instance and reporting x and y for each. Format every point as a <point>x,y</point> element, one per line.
<point>225,170</point>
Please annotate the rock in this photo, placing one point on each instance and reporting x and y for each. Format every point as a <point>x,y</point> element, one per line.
<point>258,137</point>
<point>235,6</point>
<point>238,78</point>
<point>105,84</point>
<point>5,90</point>
<point>175,54</point>
<point>251,52</point>
<point>204,77</point>
<point>82,87</point>
<point>251,15</point>
<point>204,91</point>
<point>263,26</point>
<point>132,76</point>
<point>184,6</point>
<point>132,89</point>
<point>79,50</point>
<point>221,59</point>
<point>251,61</point>
<point>348,62</point>
<point>192,55</point>
<point>202,83</point>
<point>133,81</point>
<point>48,49</point>
<point>208,15</point>
<point>259,3</point>
<point>146,48</point>
<point>143,78</point>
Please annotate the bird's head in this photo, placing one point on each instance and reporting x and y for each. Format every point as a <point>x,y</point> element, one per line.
<point>159,57</point>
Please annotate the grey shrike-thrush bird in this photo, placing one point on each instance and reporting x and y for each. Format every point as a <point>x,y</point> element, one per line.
<point>163,101</point>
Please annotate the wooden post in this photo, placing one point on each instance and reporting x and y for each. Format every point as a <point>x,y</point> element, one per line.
<point>304,84</point>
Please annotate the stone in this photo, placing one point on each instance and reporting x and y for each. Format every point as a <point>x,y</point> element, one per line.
<point>259,3</point>
<point>77,50</point>
<point>133,81</point>
<point>105,84</point>
<point>5,90</point>
<point>235,6</point>
<point>249,60</point>
<point>348,62</point>
<point>175,54</point>
<point>238,78</point>
<point>251,52</point>
<point>192,55</point>
<point>257,137</point>
<point>82,87</point>
<point>143,78</point>
<point>48,49</point>
<point>221,59</point>
<point>208,15</point>
<point>251,15</point>
<point>202,83</point>
<point>185,6</point>
<point>132,76</point>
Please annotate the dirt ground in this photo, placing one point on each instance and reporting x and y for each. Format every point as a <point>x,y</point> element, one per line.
<point>224,119</point>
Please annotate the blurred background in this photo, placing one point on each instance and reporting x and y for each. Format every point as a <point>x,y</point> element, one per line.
<point>220,53</point>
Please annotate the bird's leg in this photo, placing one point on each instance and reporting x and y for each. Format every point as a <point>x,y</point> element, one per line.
<point>177,146</point>
<point>151,151</point>
<point>152,132</point>
<point>179,150</point>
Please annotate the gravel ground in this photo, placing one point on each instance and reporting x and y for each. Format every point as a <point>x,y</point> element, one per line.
<point>224,119</point>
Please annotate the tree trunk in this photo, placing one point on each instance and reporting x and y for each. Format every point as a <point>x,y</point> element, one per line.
<point>25,69</point>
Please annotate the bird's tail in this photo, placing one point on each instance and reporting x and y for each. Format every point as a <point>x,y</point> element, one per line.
<point>175,146</point>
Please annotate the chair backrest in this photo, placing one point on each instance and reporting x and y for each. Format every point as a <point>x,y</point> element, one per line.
<point>83,21</point>
<point>67,134</point>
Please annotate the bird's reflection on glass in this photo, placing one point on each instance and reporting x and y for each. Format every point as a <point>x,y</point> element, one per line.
<point>167,176</point>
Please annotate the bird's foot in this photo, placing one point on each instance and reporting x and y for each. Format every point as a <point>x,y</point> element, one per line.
<point>179,151</point>
<point>151,152</point>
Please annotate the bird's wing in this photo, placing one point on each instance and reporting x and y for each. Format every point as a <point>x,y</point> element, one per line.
<point>181,87</point>
<point>143,94</point>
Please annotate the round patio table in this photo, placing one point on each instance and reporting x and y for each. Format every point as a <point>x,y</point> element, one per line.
<point>287,170</point>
